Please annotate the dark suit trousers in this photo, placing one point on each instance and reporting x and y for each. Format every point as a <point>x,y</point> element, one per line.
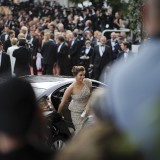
<point>97,73</point>
<point>47,69</point>
<point>34,66</point>
<point>74,61</point>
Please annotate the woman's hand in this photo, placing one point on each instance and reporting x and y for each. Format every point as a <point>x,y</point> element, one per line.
<point>87,109</point>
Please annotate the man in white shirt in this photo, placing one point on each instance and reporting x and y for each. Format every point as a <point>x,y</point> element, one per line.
<point>102,57</point>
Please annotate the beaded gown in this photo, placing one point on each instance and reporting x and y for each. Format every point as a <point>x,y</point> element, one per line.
<point>78,104</point>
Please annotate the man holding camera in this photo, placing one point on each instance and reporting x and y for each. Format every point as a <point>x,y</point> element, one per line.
<point>22,55</point>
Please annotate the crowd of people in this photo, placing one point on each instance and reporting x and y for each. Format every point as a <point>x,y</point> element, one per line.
<point>121,121</point>
<point>54,39</point>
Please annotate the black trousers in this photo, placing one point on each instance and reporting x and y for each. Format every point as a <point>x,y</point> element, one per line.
<point>97,72</point>
<point>47,69</point>
<point>34,66</point>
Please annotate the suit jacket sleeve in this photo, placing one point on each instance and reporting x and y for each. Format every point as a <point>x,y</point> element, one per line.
<point>74,49</point>
<point>7,63</point>
<point>110,54</point>
<point>63,51</point>
<point>35,48</point>
<point>93,55</point>
<point>9,66</point>
<point>43,48</point>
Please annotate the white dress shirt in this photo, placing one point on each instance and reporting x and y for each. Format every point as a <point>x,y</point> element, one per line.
<point>101,49</point>
<point>6,37</point>
<point>59,48</point>
<point>87,50</point>
<point>72,42</point>
<point>113,43</point>
<point>31,40</point>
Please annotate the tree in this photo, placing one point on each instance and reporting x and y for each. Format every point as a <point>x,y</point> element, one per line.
<point>119,5</point>
<point>135,19</point>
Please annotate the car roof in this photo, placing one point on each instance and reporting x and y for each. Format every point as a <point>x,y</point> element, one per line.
<point>46,81</point>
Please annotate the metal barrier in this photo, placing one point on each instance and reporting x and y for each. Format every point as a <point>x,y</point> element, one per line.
<point>116,30</point>
<point>107,32</point>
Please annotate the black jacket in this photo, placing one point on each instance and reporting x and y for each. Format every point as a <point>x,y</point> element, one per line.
<point>63,60</point>
<point>48,52</point>
<point>7,44</point>
<point>90,53</point>
<point>27,153</point>
<point>22,64</point>
<point>35,46</point>
<point>101,61</point>
<point>74,49</point>
<point>116,51</point>
<point>5,67</point>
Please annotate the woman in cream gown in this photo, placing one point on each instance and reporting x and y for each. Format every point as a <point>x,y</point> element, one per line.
<point>80,91</point>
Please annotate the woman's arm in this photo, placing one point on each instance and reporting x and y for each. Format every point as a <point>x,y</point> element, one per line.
<point>121,23</point>
<point>66,95</point>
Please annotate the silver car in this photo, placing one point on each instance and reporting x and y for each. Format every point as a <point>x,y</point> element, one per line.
<point>49,91</point>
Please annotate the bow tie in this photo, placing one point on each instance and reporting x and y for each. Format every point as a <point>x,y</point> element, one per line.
<point>102,45</point>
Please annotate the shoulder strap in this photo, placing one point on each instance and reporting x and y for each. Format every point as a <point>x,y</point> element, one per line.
<point>88,83</point>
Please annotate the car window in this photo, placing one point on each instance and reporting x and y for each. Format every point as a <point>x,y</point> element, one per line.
<point>45,104</point>
<point>57,95</point>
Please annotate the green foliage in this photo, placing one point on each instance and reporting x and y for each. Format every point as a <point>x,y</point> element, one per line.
<point>115,4</point>
<point>119,5</point>
<point>76,1</point>
<point>135,18</point>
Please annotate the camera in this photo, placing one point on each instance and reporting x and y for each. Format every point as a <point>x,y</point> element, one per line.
<point>25,43</point>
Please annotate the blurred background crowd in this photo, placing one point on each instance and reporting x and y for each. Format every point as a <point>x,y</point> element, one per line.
<point>49,39</point>
<point>73,33</point>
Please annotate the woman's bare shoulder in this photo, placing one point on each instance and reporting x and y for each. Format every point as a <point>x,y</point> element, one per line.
<point>70,87</point>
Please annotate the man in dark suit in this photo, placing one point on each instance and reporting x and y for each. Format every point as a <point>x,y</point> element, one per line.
<point>63,61</point>
<point>5,65</point>
<point>22,55</point>
<point>117,48</point>
<point>48,52</point>
<point>102,57</point>
<point>88,26</point>
<point>126,53</point>
<point>24,30</point>
<point>34,50</point>
<point>4,35</point>
<point>74,49</point>
<point>85,56</point>
<point>7,43</point>
<point>113,41</point>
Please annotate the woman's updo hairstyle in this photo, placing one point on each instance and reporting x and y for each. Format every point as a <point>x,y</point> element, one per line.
<point>77,69</point>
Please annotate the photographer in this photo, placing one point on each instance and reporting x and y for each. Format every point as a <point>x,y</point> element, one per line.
<point>22,55</point>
